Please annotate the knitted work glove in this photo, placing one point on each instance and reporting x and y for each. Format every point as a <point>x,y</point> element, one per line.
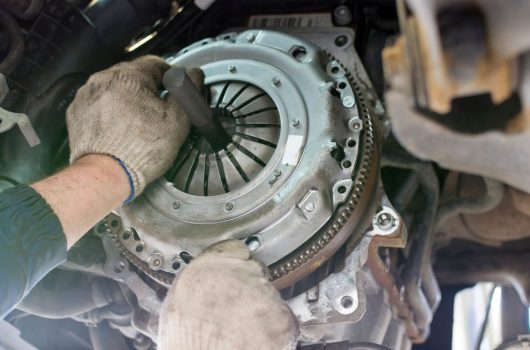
<point>118,112</point>
<point>223,301</point>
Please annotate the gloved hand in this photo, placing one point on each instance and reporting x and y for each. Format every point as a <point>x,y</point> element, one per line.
<point>118,112</point>
<point>223,301</point>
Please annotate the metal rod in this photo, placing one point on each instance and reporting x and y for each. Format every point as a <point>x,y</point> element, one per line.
<point>193,104</point>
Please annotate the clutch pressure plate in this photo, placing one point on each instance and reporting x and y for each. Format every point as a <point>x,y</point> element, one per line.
<point>293,183</point>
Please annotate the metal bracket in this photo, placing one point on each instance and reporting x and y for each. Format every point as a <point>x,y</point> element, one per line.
<point>9,119</point>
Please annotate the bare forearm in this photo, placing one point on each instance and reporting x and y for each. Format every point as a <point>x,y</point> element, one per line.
<point>84,193</point>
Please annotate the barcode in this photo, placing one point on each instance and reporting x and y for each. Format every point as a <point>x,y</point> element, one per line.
<point>291,21</point>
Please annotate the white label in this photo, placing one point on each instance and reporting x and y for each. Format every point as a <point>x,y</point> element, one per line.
<point>300,20</point>
<point>292,149</point>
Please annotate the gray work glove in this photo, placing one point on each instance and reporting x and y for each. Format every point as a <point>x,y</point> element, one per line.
<point>223,301</point>
<point>118,112</point>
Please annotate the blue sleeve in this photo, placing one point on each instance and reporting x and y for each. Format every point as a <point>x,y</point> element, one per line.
<point>32,243</point>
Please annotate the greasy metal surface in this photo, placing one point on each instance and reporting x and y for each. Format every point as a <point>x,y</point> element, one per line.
<point>273,203</point>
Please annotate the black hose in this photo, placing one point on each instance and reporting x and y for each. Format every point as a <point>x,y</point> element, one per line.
<point>16,45</point>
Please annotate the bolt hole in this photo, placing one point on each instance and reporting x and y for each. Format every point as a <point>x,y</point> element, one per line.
<point>114,223</point>
<point>184,51</point>
<point>175,265</point>
<point>119,267</point>
<point>346,164</point>
<point>352,143</point>
<point>126,235</point>
<point>204,43</point>
<point>342,85</point>
<point>299,53</point>
<point>341,189</point>
<point>341,40</point>
<point>186,257</point>
<point>100,228</point>
<point>227,37</point>
<point>139,248</point>
<point>346,302</point>
<point>335,70</point>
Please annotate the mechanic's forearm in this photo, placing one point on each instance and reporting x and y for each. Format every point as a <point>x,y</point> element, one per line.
<point>84,193</point>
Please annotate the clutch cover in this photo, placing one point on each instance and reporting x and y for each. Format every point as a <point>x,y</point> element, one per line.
<point>294,182</point>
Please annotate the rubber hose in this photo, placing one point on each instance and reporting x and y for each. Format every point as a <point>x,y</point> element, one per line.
<point>16,46</point>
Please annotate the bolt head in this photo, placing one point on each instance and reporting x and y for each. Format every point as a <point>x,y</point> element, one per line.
<point>276,81</point>
<point>176,205</point>
<point>232,68</point>
<point>253,244</point>
<point>348,101</point>
<point>229,206</point>
<point>385,221</point>
<point>295,123</point>
<point>277,172</point>
<point>251,37</point>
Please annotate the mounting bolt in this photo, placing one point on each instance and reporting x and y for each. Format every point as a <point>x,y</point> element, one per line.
<point>348,101</point>
<point>276,81</point>
<point>253,243</point>
<point>342,15</point>
<point>277,172</point>
<point>385,221</point>
<point>251,37</point>
<point>176,205</point>
<point>229,206</point>
<point>156,260</point>
<point>232,68</point>
<point>355,124</point>
<point>296,123</point>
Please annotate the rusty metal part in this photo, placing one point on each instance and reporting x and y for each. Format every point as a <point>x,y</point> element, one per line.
<point>498,212</point>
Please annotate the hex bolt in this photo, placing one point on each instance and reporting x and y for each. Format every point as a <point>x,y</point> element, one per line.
<point>355,125</point>
<point>232,68</point>
<point>251,37</point>
<point>156,260</point>
<point>176,205</point>
<point>229,206</point>
<point>253,243</point>
<point>385,221</point>
<point>342,15</point>
<point>277,172</point>
<point>276,81</point>
<point>296,123</point>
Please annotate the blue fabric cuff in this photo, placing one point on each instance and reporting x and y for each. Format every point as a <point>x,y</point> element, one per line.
<point>132,194</point>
